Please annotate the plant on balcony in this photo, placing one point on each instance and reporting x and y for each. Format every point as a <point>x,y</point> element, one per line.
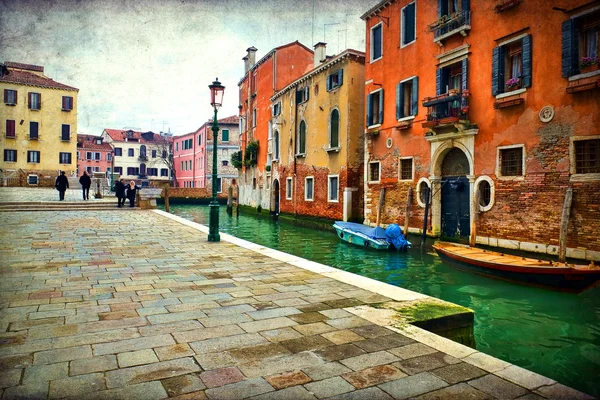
<point>586,62</point>
<point>268,168</point>
<point>250,156</point>
<point>512,83</point>
<point>236,159</point>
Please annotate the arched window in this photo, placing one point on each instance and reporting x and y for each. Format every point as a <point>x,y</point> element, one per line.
<point>143,150</point>
<point>302,138</point>
<point>142,169</point>
<point>334,129</point>
<point>276,145</point>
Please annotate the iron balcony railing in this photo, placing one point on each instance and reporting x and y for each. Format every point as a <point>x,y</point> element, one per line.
<point>447,105</point>
<point>450,23</point>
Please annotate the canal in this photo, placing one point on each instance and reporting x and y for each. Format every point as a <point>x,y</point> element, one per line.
<point>552,333</point>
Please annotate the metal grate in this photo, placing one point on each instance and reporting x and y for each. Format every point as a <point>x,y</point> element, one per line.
<point>406,169</point>
<point>485,193</point>
<point>587,156</point>
<point>511,162</point>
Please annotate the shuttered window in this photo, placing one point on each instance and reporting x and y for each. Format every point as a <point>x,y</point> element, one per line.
<point>10,129</point>
<point>67,103</point>
<point>225,135</point>
<point>10,97</point>
<point>302,138</point>
<point>34,101</point>
<point>302,95</point>
<point>334,129</point>
<point>375,108</point>
<point>33,130</point>
<point>65,132</point>
<point>580,42</point>
<point>335,80</point>
<point>376,42</point>
<point>407,98</point>
<point>64,158</point>
<point>409,24</point>
<point>10,155</point>
<point>511,66</point>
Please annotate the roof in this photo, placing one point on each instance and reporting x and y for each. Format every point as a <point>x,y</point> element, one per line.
<point>22,75</point>
<point>331,61</point>
<point>233,120</point>
<point>376,8</point>
<point>119,135</point>
<point>88,142</point>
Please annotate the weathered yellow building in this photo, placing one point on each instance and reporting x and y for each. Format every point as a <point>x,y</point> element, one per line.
<point>316,145</point>
<point>39,117</point>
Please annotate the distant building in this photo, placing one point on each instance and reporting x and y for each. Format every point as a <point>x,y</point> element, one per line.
<point>140,155</point>
<point>93,155</point>
<point>193,159</point>
<point>39,117</point>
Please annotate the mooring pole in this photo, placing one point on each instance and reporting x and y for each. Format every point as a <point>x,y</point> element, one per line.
<point>473,237</point>
<point>564,225</point>
<point>426,214</point>
<point>407,214</point>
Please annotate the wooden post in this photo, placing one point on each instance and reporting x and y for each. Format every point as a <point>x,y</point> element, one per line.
<point>407,214</point>
<point>564,225</point>
<point>473,237</point>
<point>426,214</point>
<point>380,206</point>
<point>167,199</point>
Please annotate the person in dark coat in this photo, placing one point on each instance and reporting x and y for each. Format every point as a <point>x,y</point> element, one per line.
<point>85,182</point>
<point>62,184</point>
<point>132,189</point>
<point>120,193</point>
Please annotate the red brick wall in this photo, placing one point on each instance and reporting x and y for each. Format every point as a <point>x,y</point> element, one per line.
<point>194,193</point>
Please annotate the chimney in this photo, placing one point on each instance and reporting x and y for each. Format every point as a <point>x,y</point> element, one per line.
<point>246,66</point>
<point>251,56</point>
<point>320,54</point>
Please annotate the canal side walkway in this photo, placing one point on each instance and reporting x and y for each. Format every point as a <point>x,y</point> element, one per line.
<point>138,305</point>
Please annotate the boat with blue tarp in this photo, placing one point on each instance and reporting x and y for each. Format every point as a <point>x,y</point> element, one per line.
<point>376,238</point>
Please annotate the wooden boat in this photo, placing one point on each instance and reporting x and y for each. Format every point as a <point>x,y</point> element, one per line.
<point>362,235</point>
<point>562,276</point>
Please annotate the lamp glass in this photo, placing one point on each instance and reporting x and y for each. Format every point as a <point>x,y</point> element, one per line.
<point>216,93</point>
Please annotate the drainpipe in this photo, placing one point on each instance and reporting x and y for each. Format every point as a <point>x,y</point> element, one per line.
<point>295,150</point>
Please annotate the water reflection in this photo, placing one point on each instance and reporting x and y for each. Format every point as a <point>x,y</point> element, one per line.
<point>552,333</point>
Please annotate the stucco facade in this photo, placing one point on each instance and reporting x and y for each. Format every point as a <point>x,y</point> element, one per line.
<point>93,155</point>
<point>39,120</point>
<point>448,117</point>
<point>316,145</point>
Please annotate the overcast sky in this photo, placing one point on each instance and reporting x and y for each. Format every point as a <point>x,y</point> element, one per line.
<point>147,64</point>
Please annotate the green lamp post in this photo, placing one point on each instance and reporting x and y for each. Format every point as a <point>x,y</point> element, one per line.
<point>216,100</point>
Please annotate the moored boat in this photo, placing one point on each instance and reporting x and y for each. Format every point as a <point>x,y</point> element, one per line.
<point>550,274</point>
<point>376,238</point>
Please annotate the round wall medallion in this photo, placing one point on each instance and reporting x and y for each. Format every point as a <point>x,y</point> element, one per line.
<point>389,143</point>
<point>546,114</point>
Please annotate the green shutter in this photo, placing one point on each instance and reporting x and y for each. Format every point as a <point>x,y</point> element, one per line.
<point>399,100</point>
<point>414,103</point>
<point>369,111</point>
<point>380,107</point>
<point>527,57</point>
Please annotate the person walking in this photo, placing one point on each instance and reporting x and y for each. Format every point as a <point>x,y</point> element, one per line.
<point>85,182</point>
<point>120,192</point>
<point>62,184</point>
<point>132,189</point>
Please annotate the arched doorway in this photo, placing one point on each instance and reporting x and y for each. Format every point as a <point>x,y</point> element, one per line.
<point>275,195</point>
<point>456,209</point>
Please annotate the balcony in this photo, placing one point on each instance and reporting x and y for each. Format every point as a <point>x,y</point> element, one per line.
<point>448,113</point>
<point>448,25</point>
<point>143,158</point>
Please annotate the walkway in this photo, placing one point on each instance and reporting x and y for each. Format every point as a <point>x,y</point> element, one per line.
<point>15,195</point>
<point>138,305</point>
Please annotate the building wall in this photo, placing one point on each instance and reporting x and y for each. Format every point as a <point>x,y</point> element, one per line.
<point>104,164</point>
<point>125,161</point>
<point>526,210</point>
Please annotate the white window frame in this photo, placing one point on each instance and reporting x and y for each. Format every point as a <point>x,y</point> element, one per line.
<point>339,128</point>
<point>37,161</point>
<point>572,160</point>
<point>276,138</point>
<point>254,114</point>
<point>378,124</point>
<point>89,155</point>
<point>220,187</point>
<point>492,192</point>
<point>418,191</point>
<point>97,156</point>
<point>369,171</point>
<point>288,188</point>
<point>306,179</point>
<point>402,44</point>
<point>337,189</point>
<point>499,163</point>
<point>412,169</point>
<point>371,47</point>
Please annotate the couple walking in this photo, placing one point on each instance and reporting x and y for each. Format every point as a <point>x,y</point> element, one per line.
<point>123,191</point>
<point>62,184</point>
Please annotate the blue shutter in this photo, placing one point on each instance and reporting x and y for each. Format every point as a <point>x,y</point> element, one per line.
<point>442,7</point>
<point>414,102</point>
<point>399,101</point>
<point>464,81</point>
<point>340,77</point>
<point>369,111</point>
<point>527,57</point>
<point>466,6</point>
<point>438,82</point>
<point>381,107</point>
<point>328,80</point>
<point>497,71</point>
<point>409,23</point>
<point>306,91</point>
<point>570,50</point>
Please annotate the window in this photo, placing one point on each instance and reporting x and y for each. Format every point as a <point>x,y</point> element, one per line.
<point>409,24</point>
<point>164,172</point>
<point>10,155</point>
<point>511,65</point>
<point>10,97</point>
<point>225,163</point>
<point>199,139</point>
<point>88,155</point>
<point>34,100</point>
<point>376,42</point>
<point>65,132</point>
<point>152,171</point>
<point>334,129</point>
<point>302,138</point>
<point>142,169</point>
<point>108,157</point>
<point>254,117</point>
<point>375,108</point>
<point>374,171</point>
<point>119,170</point>
<point>133,171</point>
<point>406,169</point>
<point>10,128</point>
<point>277,109</point>
<point>335,80</point>
<point>32,179</point>
<point>587,156</point>
<point>225,135</point>
<point>89,169</point>
<point>182,168</point>
<point>302,95</point>
<point>333,188</point>
<point>64,158</point>
<point>580,39</point>
<point>33,130</point>
<point>130,152</point>
<point>423,192</point>
<point>164,154</point>
<point>276,145</point>
<point>143,151</point>
<point>97,156</point>
<point>153,153</point>
<point>219,185</point>
<point>288,188</point>
<point>511,161</point>
<point>118,151</point>
<point>176,146</point>
<point>407,98</point>
<point>67,103</point>
<point>33,156</point>
<point>308,188</point>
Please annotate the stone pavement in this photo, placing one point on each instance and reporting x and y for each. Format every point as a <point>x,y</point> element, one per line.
<point>138,305</point>
<point>33,194</point>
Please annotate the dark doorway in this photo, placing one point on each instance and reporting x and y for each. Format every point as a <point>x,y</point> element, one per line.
<point>456,209</point>
<point>276,196</point>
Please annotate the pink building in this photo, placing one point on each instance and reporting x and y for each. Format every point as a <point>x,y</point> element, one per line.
<point>192,155</point>
<point>93,155</point>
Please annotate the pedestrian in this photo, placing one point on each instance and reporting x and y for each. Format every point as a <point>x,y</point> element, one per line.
<point>62,184</point>
<point>132,189</point>
<point>120,192</point>
<point>85,182</point>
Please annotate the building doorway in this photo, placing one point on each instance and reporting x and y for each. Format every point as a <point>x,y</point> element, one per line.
<point>275,194</point>
<point>455,191</point>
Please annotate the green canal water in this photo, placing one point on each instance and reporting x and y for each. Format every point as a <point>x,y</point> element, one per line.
<point>552,333</point>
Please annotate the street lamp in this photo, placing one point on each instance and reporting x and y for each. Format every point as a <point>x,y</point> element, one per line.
<point>112,171</point>
<point>216,99</point>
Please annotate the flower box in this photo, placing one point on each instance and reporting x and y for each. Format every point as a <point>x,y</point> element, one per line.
<point>448,120</point>
<point>504,5</point>
<point>430,124</point>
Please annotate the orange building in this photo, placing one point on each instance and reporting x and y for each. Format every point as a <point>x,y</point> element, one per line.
<point>493,107</point>
<point>262,79</point>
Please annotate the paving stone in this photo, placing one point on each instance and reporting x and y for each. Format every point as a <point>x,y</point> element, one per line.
<point>412,386</point>
<point>182,384</point>
<point>372,331</point>
<point>342,336</point>
<point>334,353</point>
<point>273,313</point>
<point>210,361</point>
<point>226,343</point>
<point>138,357</point>
<point>373,376</point>
<point>371,393</point>
<point>114,324</point>
<point>144,312</point>
<point>45,373</point>
<point>493,385</point>
<point>415,365</point>
<point>94,338</point>
<point>383,342</point>
<point>257,353</point>
<point>290,393</point>
<point>37,345</point>
<point>305,343</point>
<point>267,324</point>
<point>142,391</point>
<point>142,343</point>
<point>525,378</point>
<point>221,377</point>
<point>314,306</point>
<point>13,377</point>
<point>76,386</point>
<point>329,387</point>
<point>324,371</point>
<point>279,335</point>
<point>287,379</point>
<point>173,317</point>
<point>180,327</point>
<point>412,350</point>
<point>347,323</point>
<point>276,365</point>
<point>173,351</point>
<point>369,360</point>
<point>243,389</point>
<point>150,372</point>
<point>18,361</point>
<point>224,320</point>
<point>35,390</point>
<point>334,313</point>
<point>57,356</point>
<point>460,391</point>
<point>199,395</point>
<point>458,372</point>
<point>93,364</point>
<point>562,392</point>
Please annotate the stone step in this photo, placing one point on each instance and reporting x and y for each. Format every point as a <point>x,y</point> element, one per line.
<point>66,208</point>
